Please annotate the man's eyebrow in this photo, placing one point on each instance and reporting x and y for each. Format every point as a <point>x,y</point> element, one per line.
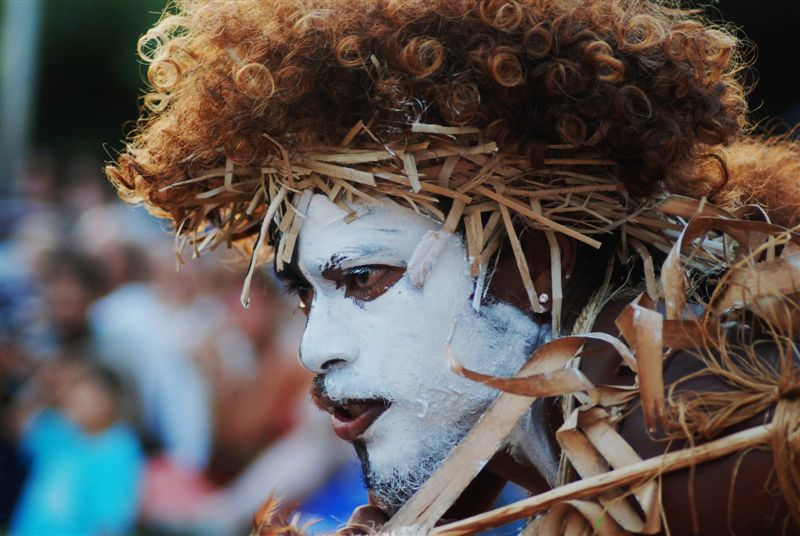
<point>363,253</point>
<point>332,268</point>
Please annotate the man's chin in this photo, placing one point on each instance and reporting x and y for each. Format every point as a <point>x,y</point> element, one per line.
<point>394,471</point>
<point>393,490</point>
<point>389,487</point>
<point>390,493</point>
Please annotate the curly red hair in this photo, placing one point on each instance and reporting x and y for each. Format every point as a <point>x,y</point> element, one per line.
<point>651,87</point>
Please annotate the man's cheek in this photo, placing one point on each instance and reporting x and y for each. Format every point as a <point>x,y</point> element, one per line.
<point>448,285</point>
<point>395,320</point>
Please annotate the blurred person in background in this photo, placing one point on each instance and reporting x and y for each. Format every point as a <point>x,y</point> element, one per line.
<point>85,459</point>
<point>30,224</point>
<point>117,237</point>
<point>68,281</point>
<point>140,328</point>
<point>21,313</point>
<point>269,439</point>
<point>253,373</point>
<point>307,469</point>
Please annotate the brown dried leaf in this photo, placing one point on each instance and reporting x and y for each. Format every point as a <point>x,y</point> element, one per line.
<point>597,518</point>
<point>439,129</point>
<point>676,334</point>
<point>648,325</point>
<point>672,272</point>
<point>746,285</point>
<point>522,263</point>
<point>447,170</point>
<point>453,217</point>
<point>262,234</point>
<point>340,172</point>
<point>545,384</point>
<point>588,462</point>
<point>410,167</point>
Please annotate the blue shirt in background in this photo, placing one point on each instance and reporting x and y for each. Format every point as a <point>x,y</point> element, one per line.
<point>331,505</point>
<point>78,484</point>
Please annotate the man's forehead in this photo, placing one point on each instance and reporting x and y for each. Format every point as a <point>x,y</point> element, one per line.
<point>381,228</point>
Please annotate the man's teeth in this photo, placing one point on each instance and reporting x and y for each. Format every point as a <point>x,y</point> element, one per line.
<point>353,409</point>
<point>356,410</point>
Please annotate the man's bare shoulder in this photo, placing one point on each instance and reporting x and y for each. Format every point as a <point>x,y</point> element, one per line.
<point>711,393</point>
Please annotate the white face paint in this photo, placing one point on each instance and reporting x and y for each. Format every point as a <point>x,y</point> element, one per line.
<point>393,347</point>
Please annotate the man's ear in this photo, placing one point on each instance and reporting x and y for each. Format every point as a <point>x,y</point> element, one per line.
<point>506,284</point>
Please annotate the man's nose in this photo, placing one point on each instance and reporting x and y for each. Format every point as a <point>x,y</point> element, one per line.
<point>327,343</point>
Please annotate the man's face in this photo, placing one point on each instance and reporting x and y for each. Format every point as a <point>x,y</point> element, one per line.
<point>377,341</point>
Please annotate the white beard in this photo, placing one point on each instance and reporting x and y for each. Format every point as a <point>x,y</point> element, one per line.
<point>394,486</point>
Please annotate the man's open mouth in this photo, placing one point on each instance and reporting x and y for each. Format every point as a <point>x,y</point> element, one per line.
<point>351,417</point>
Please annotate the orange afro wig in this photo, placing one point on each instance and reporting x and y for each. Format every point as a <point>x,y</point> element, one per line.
<point>650,87</point>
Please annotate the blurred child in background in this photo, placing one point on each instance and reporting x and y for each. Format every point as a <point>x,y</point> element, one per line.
<point>85,461</point>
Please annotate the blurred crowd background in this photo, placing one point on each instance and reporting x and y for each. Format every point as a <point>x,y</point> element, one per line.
<point>135,398</point>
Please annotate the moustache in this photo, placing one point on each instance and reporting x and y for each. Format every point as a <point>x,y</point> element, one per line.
<point>322,399</point>
<point>319,394</point>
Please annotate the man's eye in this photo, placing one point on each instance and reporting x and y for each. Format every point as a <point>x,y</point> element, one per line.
<point>364,276</point>
<point>366,283</point>
<point>306,295</point>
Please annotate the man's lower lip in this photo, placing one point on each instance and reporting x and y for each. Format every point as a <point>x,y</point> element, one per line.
<point>349,430</point>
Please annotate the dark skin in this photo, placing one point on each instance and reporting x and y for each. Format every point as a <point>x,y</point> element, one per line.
<point>734,494</point>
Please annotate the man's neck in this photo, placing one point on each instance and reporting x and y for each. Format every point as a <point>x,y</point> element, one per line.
<point>532,457</point>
